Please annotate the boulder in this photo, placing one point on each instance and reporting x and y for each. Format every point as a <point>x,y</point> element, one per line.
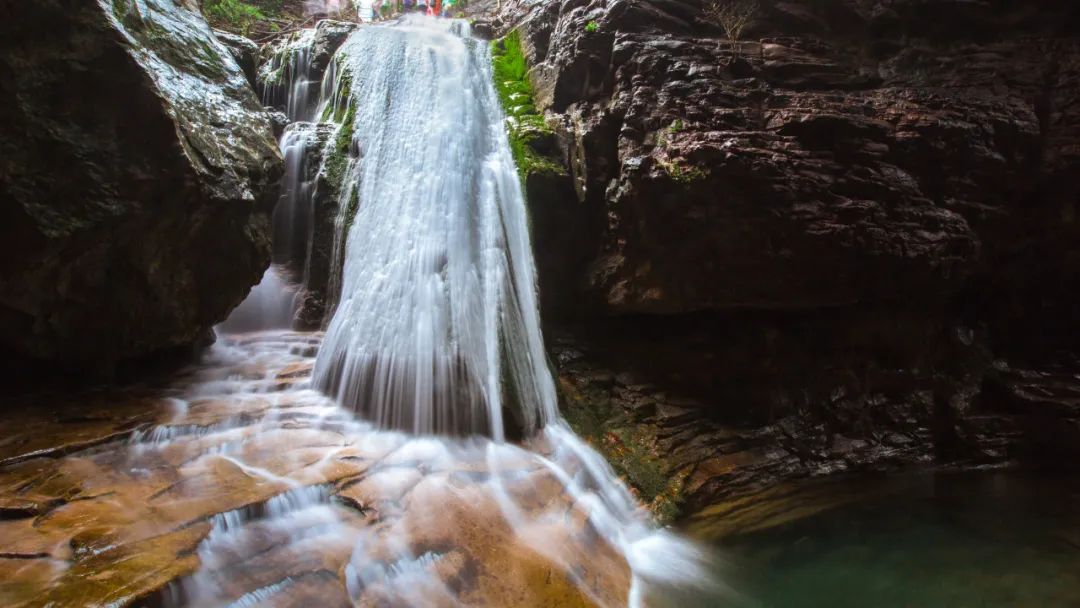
<point>138,176</point>
<point>244,51</point>
<point>329,36</point>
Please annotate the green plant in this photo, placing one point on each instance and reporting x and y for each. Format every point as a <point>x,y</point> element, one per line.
<point>233,14</point>
<point>682,174</point>
<point>525,125</point>
<point>592,27</point>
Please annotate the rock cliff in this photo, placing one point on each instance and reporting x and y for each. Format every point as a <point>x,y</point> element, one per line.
<point>138,175</point>
<point>815,239</point>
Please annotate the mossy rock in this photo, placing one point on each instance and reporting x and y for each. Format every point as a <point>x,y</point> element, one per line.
<point>530,136</point>
<point>632,449</point>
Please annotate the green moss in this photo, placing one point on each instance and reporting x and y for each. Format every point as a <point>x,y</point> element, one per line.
<point>631,448</point>
<point>120,9</point>
<point>337,159</point>
<point>277,76</point>
<point>351,209</point>
<point>337,113</point>
<point>592,27</point>
<point>526,127</point>
<point>681,174</point>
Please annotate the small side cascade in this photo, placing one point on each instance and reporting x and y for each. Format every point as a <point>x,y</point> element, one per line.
<point>286,78</point>
<point>300,286</point>
<point>292,218</point>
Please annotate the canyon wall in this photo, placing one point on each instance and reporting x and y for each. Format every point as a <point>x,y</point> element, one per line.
<point>827,246</point>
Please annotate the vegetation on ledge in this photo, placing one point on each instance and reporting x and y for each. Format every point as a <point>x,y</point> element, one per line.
<point>337,159</point>
<point>679,169</point>
<point>253,17</point>
<point>526,127</point>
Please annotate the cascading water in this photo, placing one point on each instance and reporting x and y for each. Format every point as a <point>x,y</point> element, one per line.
<point>287,82</point>
<point>437,329</point>
<point>437,333</point>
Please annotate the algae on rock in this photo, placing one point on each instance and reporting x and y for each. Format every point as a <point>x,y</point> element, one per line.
<point>531,138</point>
<point>631,447</point>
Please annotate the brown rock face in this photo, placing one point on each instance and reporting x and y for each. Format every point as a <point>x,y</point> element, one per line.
<point>206,501</point>
<point>850,152</point>
<point>138,173</point>
<point>810,244</point>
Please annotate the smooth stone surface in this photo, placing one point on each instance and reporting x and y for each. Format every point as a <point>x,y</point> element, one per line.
<point>236,481</point>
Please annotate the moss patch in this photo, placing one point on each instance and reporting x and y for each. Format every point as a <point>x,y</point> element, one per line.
<point>526,127</point>
<point>350,210</point>
<point>681,173</point>
<point>677,168</point>
<point>337,159</point>
<point>337,112</point>
<point>631,448</point>
<point>120,9</point>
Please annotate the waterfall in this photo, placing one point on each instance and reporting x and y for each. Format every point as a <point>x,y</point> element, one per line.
<point>288,81</point>
<point>437,330</point>
<point>436,333</point>
<point>287,77</point>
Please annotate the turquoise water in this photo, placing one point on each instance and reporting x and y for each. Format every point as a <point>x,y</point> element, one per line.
<point>961,540</point>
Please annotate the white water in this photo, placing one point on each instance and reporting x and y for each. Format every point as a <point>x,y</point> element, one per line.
<point>270,305</point>
<point>291,445</point>
<point>273,303</point>
<point>437,330</point>
<point>288,77</point>
<point>437,333</point>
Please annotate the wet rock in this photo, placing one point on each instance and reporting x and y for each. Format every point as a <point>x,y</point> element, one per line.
<point>329,36</point>
<point>740,404</point>
<point>1031,414</point>
<point>299,59</point>
<point>244,51</point>
<point>137,160</point>
<point>313,230</point>
<point>236,493</point>
<point>827,224</point>
<point>812,165</point>
<point>279,121</point>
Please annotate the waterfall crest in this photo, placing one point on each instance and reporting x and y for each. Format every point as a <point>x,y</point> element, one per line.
<point>437,330</point>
